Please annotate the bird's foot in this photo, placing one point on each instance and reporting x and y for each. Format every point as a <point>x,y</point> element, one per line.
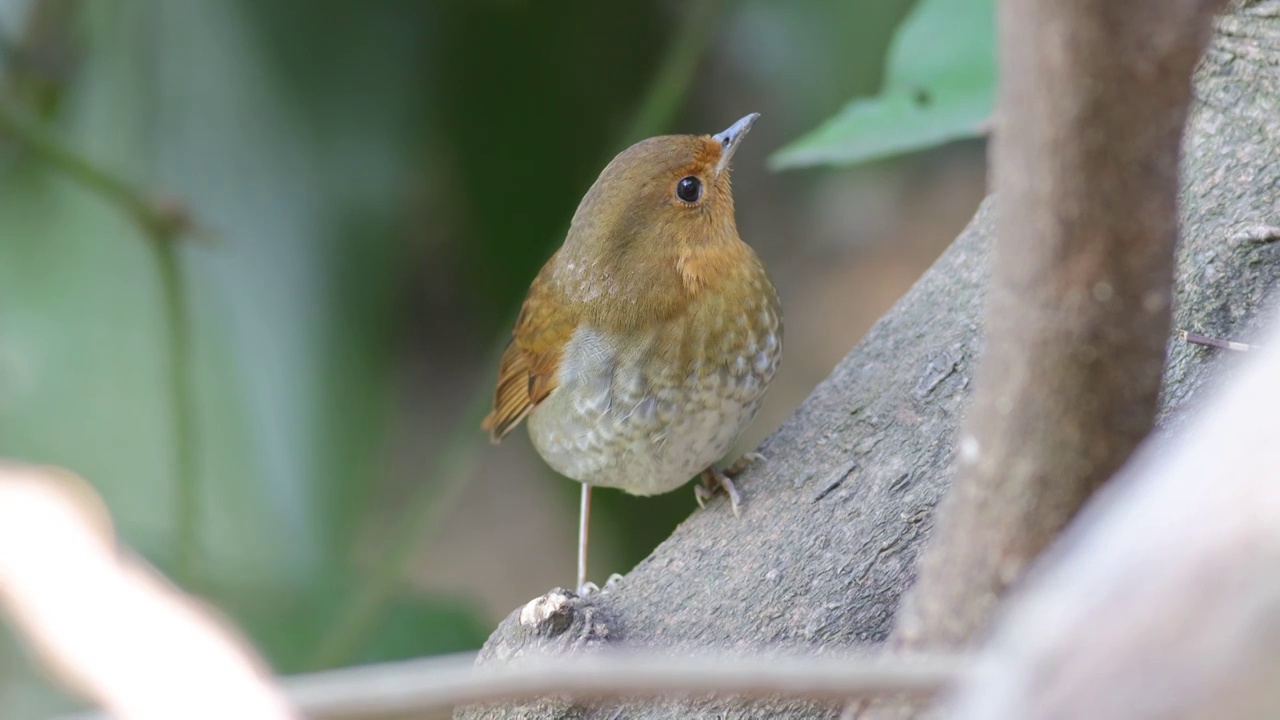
<point>741,464</point>
<point>609,585</point>
<point>713,479</point>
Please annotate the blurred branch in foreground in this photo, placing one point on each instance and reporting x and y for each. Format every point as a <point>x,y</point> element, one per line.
<point>430,687</point>
<point>1163,600</point>
<point>107,625</point>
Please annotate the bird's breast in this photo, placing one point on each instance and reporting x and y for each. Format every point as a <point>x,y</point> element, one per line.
<point>647,409</point>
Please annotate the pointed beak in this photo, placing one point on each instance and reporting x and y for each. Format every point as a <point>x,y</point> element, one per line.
<point>731,138</point>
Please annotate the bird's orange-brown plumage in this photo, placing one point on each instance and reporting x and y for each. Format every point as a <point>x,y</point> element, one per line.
<point>527,371</point>
<point>550,314</point>
<point>633,257</point>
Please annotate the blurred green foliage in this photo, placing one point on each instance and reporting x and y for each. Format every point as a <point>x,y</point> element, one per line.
<point>939,86</point>
<point>380,181</point>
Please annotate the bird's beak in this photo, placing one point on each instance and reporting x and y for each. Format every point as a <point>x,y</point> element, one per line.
<point>731,138</point>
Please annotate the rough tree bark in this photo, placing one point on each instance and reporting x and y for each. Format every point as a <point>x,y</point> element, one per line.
<point>833,521</point>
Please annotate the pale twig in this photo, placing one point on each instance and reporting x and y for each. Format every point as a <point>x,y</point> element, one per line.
<point>1197,339</point>
<point>434,685</point>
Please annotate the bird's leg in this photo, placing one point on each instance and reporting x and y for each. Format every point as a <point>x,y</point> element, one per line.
<point>713,478</point>
<point>584,522</point>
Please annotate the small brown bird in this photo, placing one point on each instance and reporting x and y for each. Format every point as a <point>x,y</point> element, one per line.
<point>646,344</point>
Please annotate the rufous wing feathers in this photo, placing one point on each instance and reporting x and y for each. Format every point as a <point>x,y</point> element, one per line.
<point>527,372</point>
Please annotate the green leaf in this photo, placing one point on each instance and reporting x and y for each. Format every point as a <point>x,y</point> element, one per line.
<point>939,86</point>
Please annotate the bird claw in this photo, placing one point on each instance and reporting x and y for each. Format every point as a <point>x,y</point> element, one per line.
<point>714,479</point>
<point>742,463</point>
<point>717,479</point>
<point>609,585</point>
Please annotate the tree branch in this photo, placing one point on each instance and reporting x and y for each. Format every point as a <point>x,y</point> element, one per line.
<point>161,221</point>
<point>108,626</point>
<point>430,687</point>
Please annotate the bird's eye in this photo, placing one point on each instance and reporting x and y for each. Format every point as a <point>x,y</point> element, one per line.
<point>689,189</point>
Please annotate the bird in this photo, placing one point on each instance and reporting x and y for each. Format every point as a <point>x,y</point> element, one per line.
<point>646,343</point>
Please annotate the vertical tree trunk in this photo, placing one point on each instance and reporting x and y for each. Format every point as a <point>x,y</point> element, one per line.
<point>1094,95</point>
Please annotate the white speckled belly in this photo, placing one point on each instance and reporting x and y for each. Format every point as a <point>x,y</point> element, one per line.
<point>620,419</point>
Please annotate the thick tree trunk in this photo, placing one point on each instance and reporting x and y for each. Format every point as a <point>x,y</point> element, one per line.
<point>1094,97</point>
<point>833,521</point>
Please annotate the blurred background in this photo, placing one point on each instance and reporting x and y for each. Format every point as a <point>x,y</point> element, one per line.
<point>258,257</point>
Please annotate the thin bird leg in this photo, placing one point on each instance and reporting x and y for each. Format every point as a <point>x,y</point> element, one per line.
<point>584,521</point>
<point>713,479</point>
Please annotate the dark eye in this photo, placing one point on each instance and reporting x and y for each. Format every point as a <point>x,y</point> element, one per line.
<point>689,189</point>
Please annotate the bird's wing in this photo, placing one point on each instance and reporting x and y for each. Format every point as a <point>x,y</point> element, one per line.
<point>527,373</point>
